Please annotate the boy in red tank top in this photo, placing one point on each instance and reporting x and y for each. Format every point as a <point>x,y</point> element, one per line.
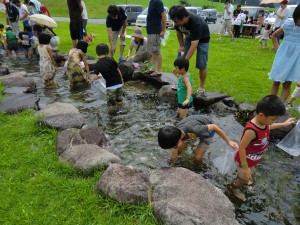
<point>255,139</point>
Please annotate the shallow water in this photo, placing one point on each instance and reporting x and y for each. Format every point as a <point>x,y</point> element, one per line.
<point>274,199</point>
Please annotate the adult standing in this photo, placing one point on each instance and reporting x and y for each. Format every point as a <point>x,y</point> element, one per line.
<point>116,23</point>
<point>197,37</point>
<point>84,18</point>
<point>156,28</point>
<point>23,12</point>
<point>76,22</point>
<point>228,13</point>
<point>35,7</point>
<point>281,16</point>
<point>237,11</point>
<point>12,16</point>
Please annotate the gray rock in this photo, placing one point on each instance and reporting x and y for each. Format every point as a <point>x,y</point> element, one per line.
<point>91,63</point>
<point>229,101</point>
<point>247,107</point>
<point>124,184</point>
<point>20,81</point>
<point>13,75</point>
<point>15,90</point>
<point>209,98</point>
<point>221,109</point>
<point>127,70</point>
<point>282,131</point>
<point>181,196</point>
<point>88,157</point>
<point>166,94</point>
<point>4,70</point>
<point>19,102</point>
<point>58,108</point>
<point>71,137</point>
<point>164,79</point>
<point>63,121</point>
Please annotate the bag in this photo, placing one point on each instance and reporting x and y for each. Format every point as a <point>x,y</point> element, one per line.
<point>291,142</point>
<point>54,42</point>
<point>225,163</point>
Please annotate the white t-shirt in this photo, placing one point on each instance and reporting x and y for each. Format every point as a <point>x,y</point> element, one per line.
<point>142,49</point>
<point>230,9</point>
<point>22,10</point>
<point>282,12</point>
<point>84,12</point>
<point>239,19</point>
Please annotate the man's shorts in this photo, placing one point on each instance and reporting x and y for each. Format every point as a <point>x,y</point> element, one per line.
<point>226,25</point>
<point>153,44</point>
<point>202,53</point>
<point>204,143</point>
<point>115,35</point>
<point>76,29</point>
<point>13,47</point>
<point>114,96</point>
<point>188,106</point>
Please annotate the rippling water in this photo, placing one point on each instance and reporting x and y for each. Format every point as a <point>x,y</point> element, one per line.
<point>275,197</point>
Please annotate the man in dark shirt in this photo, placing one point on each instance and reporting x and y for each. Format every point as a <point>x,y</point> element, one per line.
<point>76,22</point>
<point>197,36</point>
<point>12,16</point>
<point>116,23</point>
<point>156,27</point>
<point>237,11</point>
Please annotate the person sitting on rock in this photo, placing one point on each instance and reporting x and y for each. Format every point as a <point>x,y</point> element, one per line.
<point>139,43</point>
<point>78,78</point>
<point>196,127</point>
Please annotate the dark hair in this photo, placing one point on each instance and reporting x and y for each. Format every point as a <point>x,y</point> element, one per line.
<point>113,10</point>
<point>1,25</point>
<point>16,1</point>
<point>102,49</point>
<point>296,14</point>
<point>239,6</point>
<point>37,28</point>
<point>270,105</point>
<point>60,59</point>
<point>168,137</point>
<point>246,12</point>
<point>268,26</point>
<point>27,28</point>
<point>182,62</point>
<point>227,1</point>
<point>82,45</point>
<point>178,11</point>
<point>44,39</point>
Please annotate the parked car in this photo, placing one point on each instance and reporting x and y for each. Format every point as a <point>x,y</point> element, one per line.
<point>209,15</point>
<point>254,11</point>
<point>132,11</point>
<point>141,20</point>
<point>219,15</point>
<point>194,9</point>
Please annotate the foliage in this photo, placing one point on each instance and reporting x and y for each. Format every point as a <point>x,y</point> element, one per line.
<point>184,2</point>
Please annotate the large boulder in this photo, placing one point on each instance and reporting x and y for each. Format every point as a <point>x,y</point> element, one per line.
<point>58,108</point>
<point>181,196</point>
<point>127,70</point>
<point>4,70</point>
<point>13,75</point>
<point>167,94</point>
<point>124,184</point>
<point>204,100</point>
<point>281,132</point>
<point>246,112</point>
<point>19,81</point>
<point>222,109</point>
<point>15,90</point>
<point>63,121</point>
<point>71,137</point>
<point>88,157</point>
<point>164,79</point>
<point>19,102</point>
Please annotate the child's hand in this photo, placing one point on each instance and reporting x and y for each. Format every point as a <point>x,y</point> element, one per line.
<point>289,121</point>
<point>233,145</point>
<point>185,102</point>
<point>96,77</point>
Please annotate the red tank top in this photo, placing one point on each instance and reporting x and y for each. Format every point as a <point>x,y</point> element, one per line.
<point>256,147</point>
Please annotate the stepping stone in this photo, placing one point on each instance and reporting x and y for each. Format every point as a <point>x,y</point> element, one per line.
<point>15,74</point>
<point>165,79</point>
<point>58,108</point>
<point>91,63</point>
<point>19,102</point>
<point>15,90</point>
<point>4,70</point>
<point>127,70</point>
<point>207,99</point>
<point>20,81</point>
<point>167,94</point>
<point>281,132</point>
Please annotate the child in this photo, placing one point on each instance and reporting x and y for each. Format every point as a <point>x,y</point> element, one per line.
<point>25,40</point>
<point>265,37</point>
<point>10,41</point>
<point>1,35</point>
<point>184,86</point>
<point>296,94</point>
<point>78,78</point>
<point>47,62</point>
<point>107,68</point>
<point>286,65</point>
<point>255,139</point>
<point>191,128</point>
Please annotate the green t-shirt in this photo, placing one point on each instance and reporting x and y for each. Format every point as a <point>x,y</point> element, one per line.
<point>182,89</point>
<point>11,38</point>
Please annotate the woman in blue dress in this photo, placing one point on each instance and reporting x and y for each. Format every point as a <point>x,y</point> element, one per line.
<point>286,65</point>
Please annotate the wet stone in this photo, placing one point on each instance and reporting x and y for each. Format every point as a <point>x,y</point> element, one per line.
<point>124,184</point>
<point>127,70</point>
<point>15,90</point>
<point>164,79</point>
<point>281,132</point>
<point>4,70</point>
<point>229,101</point>
<point>63,121</point>
<point>209,98</point>
<point>222,109</point>
<point>19,102</point>
<point>27,82</point>
<point>58,108</point>
<point>91,63</point>
<point>12,75</point>
<point>88,157</point>
<point>167,94</point>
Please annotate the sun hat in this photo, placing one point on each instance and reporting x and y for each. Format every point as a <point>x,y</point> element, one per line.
<point>138,33</point>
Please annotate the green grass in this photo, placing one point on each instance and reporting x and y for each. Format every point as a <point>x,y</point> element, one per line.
<point>37,189</point>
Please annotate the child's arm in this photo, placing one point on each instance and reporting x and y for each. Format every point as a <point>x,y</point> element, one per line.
<point>284,124</point>
<point>51,55</point>
<point>129,52</point>
<point>274,37</point>
<point>188,85</point>
<point>214,127</point>
<point>86,65</point>
<point>249,135</point>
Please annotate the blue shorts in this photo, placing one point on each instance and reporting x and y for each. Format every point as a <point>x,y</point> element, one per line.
<point>188,106</point>
<point>202,53</point>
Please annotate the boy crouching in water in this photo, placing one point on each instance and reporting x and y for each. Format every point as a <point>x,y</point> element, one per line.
<point>191,128</point>
<point>107,68</point>
<point>255,140</point>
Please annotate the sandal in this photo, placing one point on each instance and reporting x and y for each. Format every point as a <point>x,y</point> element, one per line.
<point>155,74</point>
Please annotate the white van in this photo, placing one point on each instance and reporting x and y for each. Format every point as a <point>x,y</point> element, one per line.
<point>132,11</point>
<point>194,9</point>
<point>141,20</point>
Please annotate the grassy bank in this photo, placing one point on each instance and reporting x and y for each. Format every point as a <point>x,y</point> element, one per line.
<point>37,189</point>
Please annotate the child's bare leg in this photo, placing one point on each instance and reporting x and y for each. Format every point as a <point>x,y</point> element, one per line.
<point>17,54</point>
<point>9,53</point>
<point>286,89</point>
<point>275,88</point>
<point>182,113</point>
<point>120,104</point>
<point>177,151</point>
<point>199,154</point>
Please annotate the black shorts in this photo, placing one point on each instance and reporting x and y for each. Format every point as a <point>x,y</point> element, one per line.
<point>76,29</point>
<point>13,47</point>
<point>188,106</point>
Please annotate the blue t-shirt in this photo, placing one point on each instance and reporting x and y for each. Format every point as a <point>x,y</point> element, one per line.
<point>155,9</point>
